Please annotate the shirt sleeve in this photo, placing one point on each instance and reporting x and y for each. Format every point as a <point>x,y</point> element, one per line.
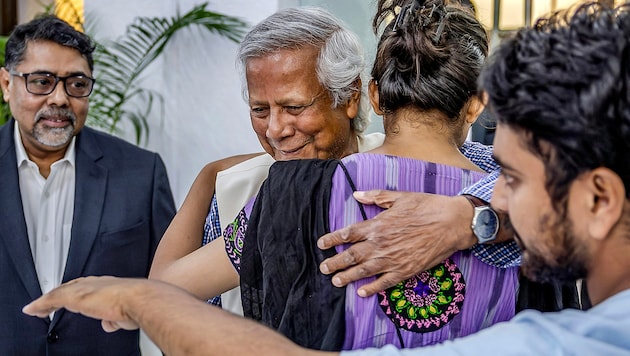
<point>535,335</point>
<point>480,155</point>
<point>212,226</point>
<point>504,254</point>
<point>211,231</point>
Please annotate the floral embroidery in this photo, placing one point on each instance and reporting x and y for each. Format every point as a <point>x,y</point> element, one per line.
<point>234,235</point>
<point>427,301</point>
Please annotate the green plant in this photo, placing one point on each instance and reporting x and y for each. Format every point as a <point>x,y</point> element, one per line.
<point>118,95</point>
<point>119,63</point>
<point>5,114</point>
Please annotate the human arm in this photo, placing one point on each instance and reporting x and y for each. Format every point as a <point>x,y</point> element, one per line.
<point>185,233</point>
<point>177,322</point>
<point>416,232</point>
<point>205,272</point>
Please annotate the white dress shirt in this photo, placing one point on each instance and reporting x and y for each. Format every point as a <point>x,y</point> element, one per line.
<point>48,210</point>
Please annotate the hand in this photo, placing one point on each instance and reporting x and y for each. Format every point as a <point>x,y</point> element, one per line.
<point>417,232</point>
<point>95,297</point>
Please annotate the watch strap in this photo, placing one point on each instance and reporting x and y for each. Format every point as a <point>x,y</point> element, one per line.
<point>474,201</point>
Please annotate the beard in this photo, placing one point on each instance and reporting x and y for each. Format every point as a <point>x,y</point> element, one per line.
<point>566,262</point>
<point>54,136</point>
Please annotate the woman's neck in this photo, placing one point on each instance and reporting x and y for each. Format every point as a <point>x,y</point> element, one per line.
<point>424,139</point>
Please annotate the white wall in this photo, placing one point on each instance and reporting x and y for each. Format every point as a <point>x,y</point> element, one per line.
<point>205,117</point>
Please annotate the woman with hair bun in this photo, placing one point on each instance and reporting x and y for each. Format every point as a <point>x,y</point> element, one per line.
<point>424,85</point>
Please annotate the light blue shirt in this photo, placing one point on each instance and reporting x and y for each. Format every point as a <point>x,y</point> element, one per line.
<point>602,330</point>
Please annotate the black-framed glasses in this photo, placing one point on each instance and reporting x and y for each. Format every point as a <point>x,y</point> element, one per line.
<point>77,86</point>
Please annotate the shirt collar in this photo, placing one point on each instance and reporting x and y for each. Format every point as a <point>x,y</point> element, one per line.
<point>23,157</point>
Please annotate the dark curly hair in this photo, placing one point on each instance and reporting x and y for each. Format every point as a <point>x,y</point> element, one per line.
<point>429,55</point>
<point>564,84</point>
<point>46,28</point>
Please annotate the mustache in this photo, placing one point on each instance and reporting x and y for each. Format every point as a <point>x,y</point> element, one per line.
<point>507,225</point>
<point>59,113</point>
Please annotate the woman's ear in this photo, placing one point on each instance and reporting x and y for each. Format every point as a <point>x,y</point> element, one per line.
<point>374,98</point>
<point>474,107</point>
<point>352,109</point>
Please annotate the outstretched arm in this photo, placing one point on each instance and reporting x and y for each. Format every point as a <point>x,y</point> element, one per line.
<point>177,322</point>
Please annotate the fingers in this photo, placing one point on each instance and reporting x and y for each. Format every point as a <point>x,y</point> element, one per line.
<point>109,326</point>
<point>48,303</point>
<point>352,233</point>
<point>355,254</point>
<point>40,307</point>
<point>383,198</point>
<point>383,282</point>
<point>361,270</point>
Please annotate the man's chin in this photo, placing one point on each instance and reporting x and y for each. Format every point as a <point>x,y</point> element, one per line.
<point>537,269</point>
<point>55,138</point>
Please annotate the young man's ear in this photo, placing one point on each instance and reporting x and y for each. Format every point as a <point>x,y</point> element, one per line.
<point>606,197</point>
<point>374,98</point>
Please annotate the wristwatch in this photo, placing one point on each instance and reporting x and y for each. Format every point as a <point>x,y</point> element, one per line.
<point>485,221</point>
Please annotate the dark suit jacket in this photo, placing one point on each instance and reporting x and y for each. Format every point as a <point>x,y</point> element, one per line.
<point>123,204</point>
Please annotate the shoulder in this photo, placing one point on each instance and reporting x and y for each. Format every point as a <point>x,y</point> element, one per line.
<point>229,162</point>
<point>90,138</point>
<point>116,154</point>
<point>255,164</point>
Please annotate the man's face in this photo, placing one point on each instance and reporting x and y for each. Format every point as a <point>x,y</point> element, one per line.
<point>552,248</point>
<point>292,113</point>
<point>46,123</point>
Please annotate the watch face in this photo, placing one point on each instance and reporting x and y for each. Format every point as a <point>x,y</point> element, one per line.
<point>486,224</point>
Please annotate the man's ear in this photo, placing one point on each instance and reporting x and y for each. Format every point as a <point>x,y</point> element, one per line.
<point>606,197</point>
<point>374,98</point>
<point>352,109</point>
<point>5,79</point>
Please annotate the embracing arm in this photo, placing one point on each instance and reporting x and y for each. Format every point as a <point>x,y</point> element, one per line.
<point>185,233</point>
<point>177,322</point>
<point>205,272</point>
<point>415,233</point>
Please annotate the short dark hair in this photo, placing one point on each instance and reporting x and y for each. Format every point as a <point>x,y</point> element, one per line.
<point>46,28</point>
<point>564,84</point>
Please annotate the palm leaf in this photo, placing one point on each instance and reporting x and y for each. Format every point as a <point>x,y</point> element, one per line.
<point>5,114</point>
<point>120,63</point>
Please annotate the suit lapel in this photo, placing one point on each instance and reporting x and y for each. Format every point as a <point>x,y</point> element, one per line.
<point>90,187</point>
<point>13,232</point>
<point>91,182</point>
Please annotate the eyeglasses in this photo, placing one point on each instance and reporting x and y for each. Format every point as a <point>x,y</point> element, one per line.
<point>77,86</point>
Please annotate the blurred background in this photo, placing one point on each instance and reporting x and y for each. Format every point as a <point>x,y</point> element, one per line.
<point>195,113</point>
<point>181,93</point>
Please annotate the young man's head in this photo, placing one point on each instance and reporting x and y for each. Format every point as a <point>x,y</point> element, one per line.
<point>560,92</point>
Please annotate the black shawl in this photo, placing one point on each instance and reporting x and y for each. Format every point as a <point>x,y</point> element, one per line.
<point>281,284</point>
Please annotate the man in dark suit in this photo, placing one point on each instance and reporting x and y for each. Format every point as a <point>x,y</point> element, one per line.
<point>75,201</point>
